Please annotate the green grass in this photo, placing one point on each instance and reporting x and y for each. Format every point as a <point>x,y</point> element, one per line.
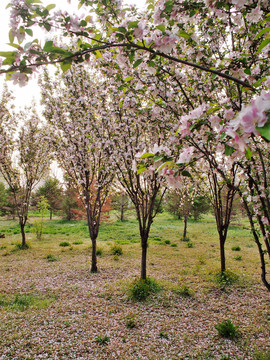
<point>22,302</point>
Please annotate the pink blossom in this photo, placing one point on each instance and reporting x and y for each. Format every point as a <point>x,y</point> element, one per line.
<point>186,155</point>
<point>19,78</point>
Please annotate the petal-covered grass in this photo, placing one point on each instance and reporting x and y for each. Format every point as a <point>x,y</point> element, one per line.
<point>59,310</point>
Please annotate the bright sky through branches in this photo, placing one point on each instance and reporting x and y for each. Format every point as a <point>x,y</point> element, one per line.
<point>25,95</point>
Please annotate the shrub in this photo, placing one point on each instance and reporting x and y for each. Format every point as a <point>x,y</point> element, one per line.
<point>64,243</point>
<point>190,245</point>
<point>226,278</point>
<point>117,250</point>
<point>173,245</point>
<point>157,238</point>
<point>19,246</point>
<point>238,257</point>
<point>167,242</point>
<point>102,340</point>
<point>77,242</point>
<point>227,330</point>
<point>51,258</point>
<point>140,289</point>
<point>236,248</point>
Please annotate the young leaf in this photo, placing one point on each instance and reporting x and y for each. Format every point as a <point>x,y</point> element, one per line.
<point>265,130</point>
<point>137,63</point>
<point>147,155</point>
<point>229,150</point>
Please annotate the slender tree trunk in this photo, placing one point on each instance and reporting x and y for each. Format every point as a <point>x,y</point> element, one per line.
<point>22,225</point>
<point>185,227</point>
<point>222,253</point>
<point>51,214</point>
<point>122,208</point>
<point>94,268</point>
<point>144,257</point>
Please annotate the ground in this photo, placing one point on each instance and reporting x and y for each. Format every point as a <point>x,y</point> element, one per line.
<point>59,310</point>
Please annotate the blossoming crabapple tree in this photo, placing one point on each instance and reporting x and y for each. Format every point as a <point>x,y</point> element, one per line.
<point>132,129</point>
<point>24,156</point>
<point>71,107</point>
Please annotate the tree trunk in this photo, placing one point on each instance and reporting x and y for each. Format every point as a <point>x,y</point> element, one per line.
<point>222,253</point>
<point>144,256</point>
<point>122,208</point>
<point>23,234</point>
<point>51,214</point>
<point>94,255</point>
<point>185,227</point>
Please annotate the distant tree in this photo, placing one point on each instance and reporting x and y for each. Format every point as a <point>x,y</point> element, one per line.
<point>24,156</point>
<point>180,201</point>
<point>3,199</point>
<point>69,202</point>
<point>71,110</point>
<point>121,202</point>
<point>53,192</point>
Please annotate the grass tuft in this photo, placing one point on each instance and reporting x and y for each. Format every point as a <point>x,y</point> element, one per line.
<point>141,289</point>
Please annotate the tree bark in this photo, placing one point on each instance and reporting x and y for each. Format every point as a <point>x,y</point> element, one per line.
<point>222,253</point>
<point>143,260</point>
<point>185,227</point>
<point>122,208</point>
<point>94,268</point>
<point>22,225</point>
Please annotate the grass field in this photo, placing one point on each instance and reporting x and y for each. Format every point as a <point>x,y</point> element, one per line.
<point>52,307</point>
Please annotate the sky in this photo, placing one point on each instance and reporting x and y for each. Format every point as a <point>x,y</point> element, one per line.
<point>25,95</point>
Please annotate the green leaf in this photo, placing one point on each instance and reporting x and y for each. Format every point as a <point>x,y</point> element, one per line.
<point>47,27</point>
<point>161,27</point>
<point>50,7</point>
<point>137,63</point>
<point>262,32</point>
<point>183,34</point>
<point>229,150</point>
<point>65,66</point>
<point>186,173</point>
<point>29,32</point>
<point>133,24</point>
<point>265,130</point>
<point>98,54</point>
<point>263,44</point>
<point>129,78</point>
<point>147,155</point>
<point>122,30</point>
<point>83,23</point>
<point>157,158</point>
<point>11,37</point>
<point>248,153</point>
<point>48,46</point>
<point>247,71</point>
<point>8,54</point>
<point>141,169</point>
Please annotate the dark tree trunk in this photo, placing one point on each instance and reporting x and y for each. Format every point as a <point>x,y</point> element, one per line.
<point>144,257</point>
<point>22,225</point>
<point>222,240</point>
<point>122,208</point>
<point>185,226</point>
<point>51,212</point>
<point>94,268</point>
